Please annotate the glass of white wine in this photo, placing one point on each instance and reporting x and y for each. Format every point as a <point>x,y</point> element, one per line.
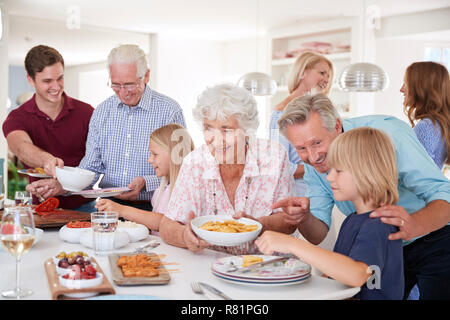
<point>17,236</point>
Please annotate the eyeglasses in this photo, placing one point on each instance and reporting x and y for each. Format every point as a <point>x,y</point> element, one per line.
<point>126,86</point>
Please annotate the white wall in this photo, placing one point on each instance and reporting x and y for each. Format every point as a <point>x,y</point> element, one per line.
<point>4,86</point>
<point>241,57</point>
<point>394,56</point>
<point>185,68</point>
<point>88,83</point>
<point>400,41</point>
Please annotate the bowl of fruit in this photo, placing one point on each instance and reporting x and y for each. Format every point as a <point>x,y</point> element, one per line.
<point>65,263</point>
<point>81,277</point>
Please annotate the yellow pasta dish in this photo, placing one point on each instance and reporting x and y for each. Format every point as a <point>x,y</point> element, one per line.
<point>228,226</point>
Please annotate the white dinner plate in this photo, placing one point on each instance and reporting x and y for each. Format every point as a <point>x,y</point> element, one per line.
<point>106,192</point>
<point>289,270</point>
<point>263,283</point>
<point>36,175</point>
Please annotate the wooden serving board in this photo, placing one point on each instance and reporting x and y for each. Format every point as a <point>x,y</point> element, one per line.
<point>58,219</point>
<point>57,291</point>
<point>118,278</point>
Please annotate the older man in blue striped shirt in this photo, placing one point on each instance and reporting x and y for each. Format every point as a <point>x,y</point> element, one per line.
<point>119,130</point>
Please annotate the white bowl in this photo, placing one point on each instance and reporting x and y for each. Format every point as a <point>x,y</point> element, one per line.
<point>136,234</point>
<point>38,233</point>
<point>74,179</point>
<point>71,235</point>
<point>224,238</point>
<point>81,284</point>
<point>64,271</point>
<point>120,239</point>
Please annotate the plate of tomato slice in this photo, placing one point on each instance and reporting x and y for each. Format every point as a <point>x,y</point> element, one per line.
<point>47,206</point>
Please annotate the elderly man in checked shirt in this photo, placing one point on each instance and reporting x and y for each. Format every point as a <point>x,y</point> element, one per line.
<point>117,143</point>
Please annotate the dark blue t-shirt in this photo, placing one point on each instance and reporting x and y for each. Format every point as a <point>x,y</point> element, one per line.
<point>365,239</point>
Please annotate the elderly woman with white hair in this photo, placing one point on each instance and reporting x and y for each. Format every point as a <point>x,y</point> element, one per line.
<point>233,174</point>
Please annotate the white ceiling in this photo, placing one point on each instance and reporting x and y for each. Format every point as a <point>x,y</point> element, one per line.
<point>43,21</point>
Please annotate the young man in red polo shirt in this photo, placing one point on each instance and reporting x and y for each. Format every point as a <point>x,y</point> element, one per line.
<point>51,128</point>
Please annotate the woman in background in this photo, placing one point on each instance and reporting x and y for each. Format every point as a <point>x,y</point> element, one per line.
<point>426,91</point>
<point>312,73</point>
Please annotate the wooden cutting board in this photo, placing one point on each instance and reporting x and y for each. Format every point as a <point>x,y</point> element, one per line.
<point>57,291</point>
<point>59,218</point>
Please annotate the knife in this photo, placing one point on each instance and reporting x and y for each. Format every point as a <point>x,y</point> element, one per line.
<point>215,291</point>
<point>259,264</point>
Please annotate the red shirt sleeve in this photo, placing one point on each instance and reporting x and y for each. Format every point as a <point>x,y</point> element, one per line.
<point>15,121</point>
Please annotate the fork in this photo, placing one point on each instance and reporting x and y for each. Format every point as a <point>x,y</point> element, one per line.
<point>152,244</point>
<point>198,289</point>
<point>40,198</point>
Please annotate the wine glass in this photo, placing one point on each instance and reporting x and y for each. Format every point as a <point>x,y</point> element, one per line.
<point>17,237</point>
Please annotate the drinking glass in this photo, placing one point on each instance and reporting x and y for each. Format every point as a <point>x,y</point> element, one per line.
<point>23,197</point>
<point>17,237</point>
<point>104,225</point>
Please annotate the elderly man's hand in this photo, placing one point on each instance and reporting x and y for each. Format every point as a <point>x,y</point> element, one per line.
<point>296,209</point>
<point>46,188</point>
<point>192,242</point>
<point>136,186</point>
<point>51,164</point>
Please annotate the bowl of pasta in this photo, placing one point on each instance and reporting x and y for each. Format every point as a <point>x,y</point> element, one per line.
<point>223,230</point>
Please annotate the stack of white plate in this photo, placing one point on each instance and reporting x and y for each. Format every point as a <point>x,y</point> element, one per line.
<point>292,271</point>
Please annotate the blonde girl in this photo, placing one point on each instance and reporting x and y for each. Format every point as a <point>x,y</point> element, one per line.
<point>363,170</point>
<point>168,146</point>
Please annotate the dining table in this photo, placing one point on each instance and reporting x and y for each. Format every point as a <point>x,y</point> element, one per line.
<point>186,267</point>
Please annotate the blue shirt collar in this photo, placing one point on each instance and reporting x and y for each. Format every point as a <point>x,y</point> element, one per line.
<point>144,102</point>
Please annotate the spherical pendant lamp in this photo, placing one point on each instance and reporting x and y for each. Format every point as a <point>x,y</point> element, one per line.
<point>363,77</point>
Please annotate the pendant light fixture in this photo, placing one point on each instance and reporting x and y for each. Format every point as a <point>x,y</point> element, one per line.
<point>258,83</point>
<point>363,76</point>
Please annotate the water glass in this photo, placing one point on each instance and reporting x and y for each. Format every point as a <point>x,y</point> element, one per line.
<point>104,225</point>
<point>23,197</point>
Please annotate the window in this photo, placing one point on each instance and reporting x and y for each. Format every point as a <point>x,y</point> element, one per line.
<point>438,54</point>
